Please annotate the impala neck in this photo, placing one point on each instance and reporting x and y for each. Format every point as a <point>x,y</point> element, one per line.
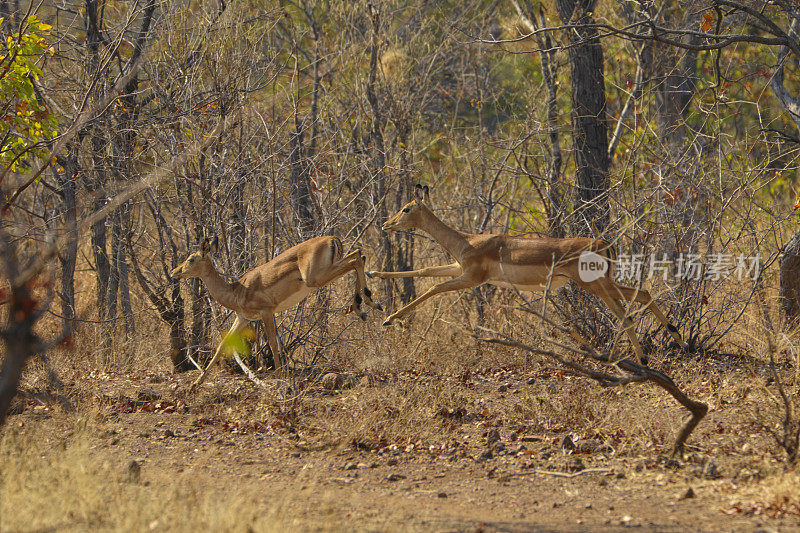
<point>221,291</point>
<point>453,241</point>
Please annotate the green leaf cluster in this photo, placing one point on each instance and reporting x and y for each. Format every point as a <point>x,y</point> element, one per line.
<point>25,122</point>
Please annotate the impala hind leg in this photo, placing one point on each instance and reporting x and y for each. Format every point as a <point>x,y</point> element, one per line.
<point>642,296</point>
<point>238,325</point>
<point>317,275</point>
<point>361,284</point>
<point>627,323</point>
<point>443,271</point>
<point>456,284</point>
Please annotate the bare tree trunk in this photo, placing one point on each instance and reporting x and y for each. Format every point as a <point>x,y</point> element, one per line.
<point>404,242</point>
<point>199,329</point>
<point>589,127</point>
<point>300,186</point>
<point>239,242</point>
<point>99,236</point>
<point>21,343</point>
<point>101,263</point>
<point>123,271</point>
<point>69,213</point>
<point>300,156</point>
<point>790,280</point>
<point>674,73</point>
<point>379,159</point>
<point>790,260</point>
<point>555,191</point>
<point>112,289</point>
<point>171,311</point>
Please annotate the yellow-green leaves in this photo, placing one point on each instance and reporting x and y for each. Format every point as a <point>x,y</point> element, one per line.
<point>238,342</point>
<point>25,122</point>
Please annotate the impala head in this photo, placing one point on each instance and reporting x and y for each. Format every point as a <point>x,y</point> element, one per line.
<point>195,263</point>
<point>410,215</point>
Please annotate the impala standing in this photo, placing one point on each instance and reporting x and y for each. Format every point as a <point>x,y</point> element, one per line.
<point>524,263</point>
<point>276,285</point>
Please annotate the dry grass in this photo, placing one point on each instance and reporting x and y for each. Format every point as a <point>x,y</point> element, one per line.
<point>68,485</point>
<point>428,385</point>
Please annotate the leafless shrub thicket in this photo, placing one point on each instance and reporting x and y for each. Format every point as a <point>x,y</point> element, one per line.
<point>668,129</point>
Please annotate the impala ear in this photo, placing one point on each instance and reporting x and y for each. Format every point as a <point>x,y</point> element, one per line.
<point>214,245</point>
<point>420,192</point>
<point>205,247</point>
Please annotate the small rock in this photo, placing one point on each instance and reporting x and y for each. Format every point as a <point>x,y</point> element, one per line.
<point>531,381</point>
<point>133,472</point>
<point>688,494</point>
<point>442,495</point>
<point>708,471</point>
<point>502,388</point>
<point>568,444</point>
<point>350,466</point>
<point>362,465</point>
<point>147,395</point>
<point>342,480</point>
<point>576,465</point>
<point>391,462</point>
<point>395,477</point>
<point>169,433</point>
<point>332,381</point>
<point>492,437</point>
<point>626,519</point>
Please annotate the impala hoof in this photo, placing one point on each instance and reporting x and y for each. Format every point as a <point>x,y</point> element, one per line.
<point>363,315</point>
<point>378,307</point>
<point>368,273</point>
<point>387,322</point>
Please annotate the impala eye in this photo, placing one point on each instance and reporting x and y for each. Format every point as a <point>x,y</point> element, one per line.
<point>406,210</point>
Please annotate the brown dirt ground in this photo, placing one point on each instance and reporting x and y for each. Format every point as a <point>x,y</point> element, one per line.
<point>228,442</point>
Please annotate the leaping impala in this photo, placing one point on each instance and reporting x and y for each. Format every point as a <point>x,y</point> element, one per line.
<point>276,285</point>
<point>524,263</point>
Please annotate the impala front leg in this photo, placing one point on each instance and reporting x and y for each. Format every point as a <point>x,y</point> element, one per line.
<point>238,324</point>
<point>272,337</point>
<point>452,285</point>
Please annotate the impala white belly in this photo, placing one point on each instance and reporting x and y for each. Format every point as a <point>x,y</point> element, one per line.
<point>294,299</point>
<point>555,284</point>
<point>507,285</point>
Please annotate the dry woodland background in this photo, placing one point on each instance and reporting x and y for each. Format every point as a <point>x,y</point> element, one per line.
<point>132,130</point>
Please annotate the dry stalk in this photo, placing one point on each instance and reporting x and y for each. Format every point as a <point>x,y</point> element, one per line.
<point>637,374</point>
